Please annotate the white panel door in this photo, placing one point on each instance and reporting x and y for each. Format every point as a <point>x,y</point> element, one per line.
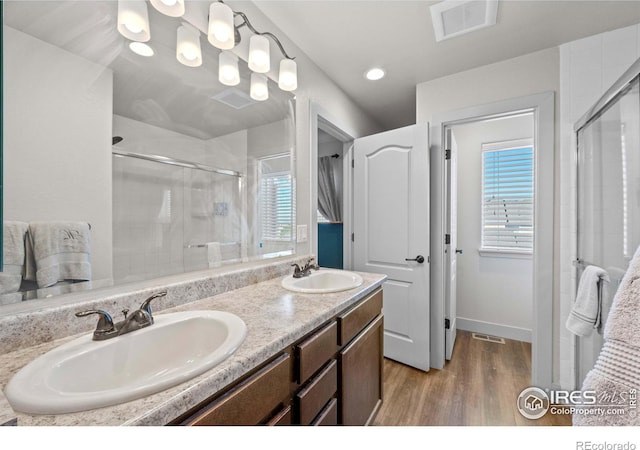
<point>451,249</point>
<point>391,234</point>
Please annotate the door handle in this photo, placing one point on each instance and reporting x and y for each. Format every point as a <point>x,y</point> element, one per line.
<point>459,251</point>
<point>419,259</point>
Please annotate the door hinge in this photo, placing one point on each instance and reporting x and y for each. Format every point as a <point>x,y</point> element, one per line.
<point>353,163</point>
<point>447,324</point>
<point>447,154</point>
<point>353,237</point>
<point>447,239</point>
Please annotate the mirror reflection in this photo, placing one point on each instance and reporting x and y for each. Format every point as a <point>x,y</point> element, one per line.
<point>139,166</point>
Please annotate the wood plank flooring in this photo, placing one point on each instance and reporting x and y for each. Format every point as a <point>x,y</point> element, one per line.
<point>479,386</point>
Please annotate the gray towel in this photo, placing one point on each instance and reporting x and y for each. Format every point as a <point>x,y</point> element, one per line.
<point>13,246</point>
<point>587,309</point>
<point>615,378</point>
<point>61,251</point>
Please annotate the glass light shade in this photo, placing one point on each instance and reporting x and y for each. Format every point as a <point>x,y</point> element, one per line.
<point>171,8</point>
<point>259,89</point>
<point>188,47</point>
<point>288,76</point>
<point>221,29</point>
<point>259,60</point>
<point>133,20</point>
<point>141,49</point>
<point>228,72</point>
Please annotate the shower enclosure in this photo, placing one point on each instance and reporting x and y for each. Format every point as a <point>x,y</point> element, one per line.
<point>608,196</point>
<point>172,216</point>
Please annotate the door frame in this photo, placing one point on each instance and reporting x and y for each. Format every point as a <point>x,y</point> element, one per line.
<point>543,107</point>
<point>321,118</point>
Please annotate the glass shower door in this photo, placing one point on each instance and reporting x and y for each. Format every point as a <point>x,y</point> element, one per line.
<point>608,202</point>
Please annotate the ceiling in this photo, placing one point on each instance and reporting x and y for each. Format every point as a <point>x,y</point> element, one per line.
<point>345,38</point>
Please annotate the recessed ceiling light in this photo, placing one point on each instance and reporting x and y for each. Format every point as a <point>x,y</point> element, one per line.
<point>374,74</point>
<point>141,49</point>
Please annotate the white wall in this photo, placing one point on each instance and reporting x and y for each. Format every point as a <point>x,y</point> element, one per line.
<point>494,294</point>
<point>588,67</point>
<point>57,140</point>
<point>525,75</point>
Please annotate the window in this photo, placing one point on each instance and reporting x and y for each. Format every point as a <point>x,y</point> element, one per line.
<point>276,199</point>
<point>507,197</point>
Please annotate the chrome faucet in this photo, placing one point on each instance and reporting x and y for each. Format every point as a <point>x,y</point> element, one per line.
<point>140,318</point>
<point>299,272</point>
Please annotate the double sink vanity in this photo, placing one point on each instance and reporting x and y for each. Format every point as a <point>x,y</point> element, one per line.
<point>305,350</point>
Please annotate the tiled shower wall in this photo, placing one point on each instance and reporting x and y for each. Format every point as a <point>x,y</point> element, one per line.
<point>588,67</point>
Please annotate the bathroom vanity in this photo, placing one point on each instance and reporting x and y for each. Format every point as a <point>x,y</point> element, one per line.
<point>309,359</point>
<point>332,376</point>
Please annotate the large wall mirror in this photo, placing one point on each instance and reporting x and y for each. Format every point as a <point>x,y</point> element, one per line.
<point>170,170</point>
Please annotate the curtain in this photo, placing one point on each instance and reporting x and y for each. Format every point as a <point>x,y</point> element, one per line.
<point>329,188</point>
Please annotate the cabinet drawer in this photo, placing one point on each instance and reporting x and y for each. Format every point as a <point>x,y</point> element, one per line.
<point>317,393</point>
<point>351,322</point>
<point>252,400</point>
<point>284,417</point>
<point>329,415</point>
<point>316,350</point>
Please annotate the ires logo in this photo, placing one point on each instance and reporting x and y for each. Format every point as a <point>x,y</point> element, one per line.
<point>533,402</point>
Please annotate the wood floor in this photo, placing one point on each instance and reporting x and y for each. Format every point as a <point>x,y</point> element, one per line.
<point>479,386</point>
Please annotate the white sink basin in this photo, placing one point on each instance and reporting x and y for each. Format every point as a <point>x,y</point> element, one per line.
<point>84,374</point>
<point>323,281</point>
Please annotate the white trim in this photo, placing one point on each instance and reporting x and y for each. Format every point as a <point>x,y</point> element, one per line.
<point>542,105</point>
<point>494,329</point>
<point>321,118</point>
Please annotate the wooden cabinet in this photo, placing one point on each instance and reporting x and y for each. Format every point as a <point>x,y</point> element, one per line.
<point>361,376</point>
<point>332,376</point>
<point>252,401</point>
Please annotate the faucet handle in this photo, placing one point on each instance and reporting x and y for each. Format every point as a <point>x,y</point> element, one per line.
<point>297,271</point>
<point>105,323</point>
<point>146,305</point>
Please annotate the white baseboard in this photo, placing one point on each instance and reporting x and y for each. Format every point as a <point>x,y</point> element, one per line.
<point>494,329</point>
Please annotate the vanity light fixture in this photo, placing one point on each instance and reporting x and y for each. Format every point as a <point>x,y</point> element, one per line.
<point>374,74</point>
<point>188,50</point>
<point>228,73</point>
<point>224,33</point>
<point>133,20</point>
<point>259,89</point>
<point>141,48</point>
<point>259,58</point>
<point>288,77</point>
<point>221,31</point>
<point>171,8</point>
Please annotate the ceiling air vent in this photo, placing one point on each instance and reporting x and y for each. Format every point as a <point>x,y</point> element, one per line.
<point>456,17</point>
<point>235,98</point>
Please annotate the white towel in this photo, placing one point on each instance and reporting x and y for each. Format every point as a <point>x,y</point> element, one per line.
<point>587,309</point>
<point>214,255</point>
<point>615,378</point>
<point>13,247</point>
<point>61,251</point>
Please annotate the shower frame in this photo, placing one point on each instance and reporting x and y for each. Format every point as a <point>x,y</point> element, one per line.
<point>621,87</point>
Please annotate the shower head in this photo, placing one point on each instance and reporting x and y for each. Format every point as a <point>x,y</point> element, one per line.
<point>116,139</point>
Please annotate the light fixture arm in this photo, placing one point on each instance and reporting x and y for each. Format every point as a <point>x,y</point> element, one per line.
<point>266,33</point>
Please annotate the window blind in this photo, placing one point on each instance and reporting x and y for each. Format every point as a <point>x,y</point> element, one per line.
<point>507,192</point>
<point>276,202</point>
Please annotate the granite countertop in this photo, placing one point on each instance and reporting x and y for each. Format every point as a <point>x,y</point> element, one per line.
<point>275,318</point>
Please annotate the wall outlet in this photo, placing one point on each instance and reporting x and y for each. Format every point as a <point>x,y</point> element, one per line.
<point>301,233</point>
